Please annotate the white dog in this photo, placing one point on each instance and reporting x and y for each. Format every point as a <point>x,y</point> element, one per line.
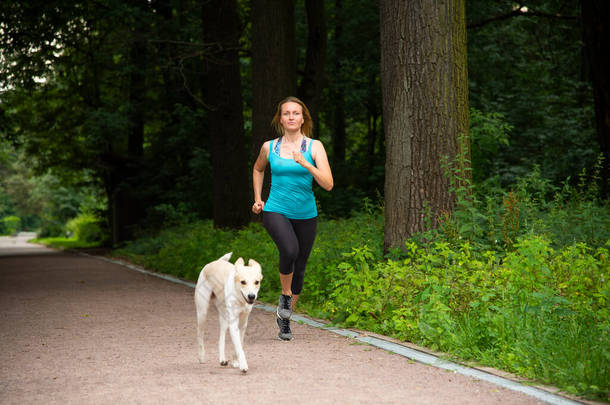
<point>235,288</point>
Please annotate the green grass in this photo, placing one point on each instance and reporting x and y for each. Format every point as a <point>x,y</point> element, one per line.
<point>65,243</point>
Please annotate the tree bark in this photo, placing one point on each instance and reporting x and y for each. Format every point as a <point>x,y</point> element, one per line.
<point>312,83</point>
<point>596,34</point>
<point>273,68</point>
<point>225,119</point>
<point>425,108</point>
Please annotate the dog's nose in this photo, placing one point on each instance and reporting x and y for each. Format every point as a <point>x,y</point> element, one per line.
<point>251,297</point>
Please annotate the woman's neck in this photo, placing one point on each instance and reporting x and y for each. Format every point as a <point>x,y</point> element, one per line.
<point>293,136</point>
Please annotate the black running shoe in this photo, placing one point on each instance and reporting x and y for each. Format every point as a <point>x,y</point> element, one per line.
<point>284,307</point>
<point>285,332</point>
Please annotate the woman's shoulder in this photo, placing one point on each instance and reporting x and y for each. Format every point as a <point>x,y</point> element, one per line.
<point>316,144</point>
<point>267,144</point>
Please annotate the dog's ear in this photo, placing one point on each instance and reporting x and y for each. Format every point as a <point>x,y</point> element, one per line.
<point>239,262</point>
<point>253,263</point>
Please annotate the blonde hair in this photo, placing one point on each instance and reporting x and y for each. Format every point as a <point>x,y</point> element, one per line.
<point>306,128</point>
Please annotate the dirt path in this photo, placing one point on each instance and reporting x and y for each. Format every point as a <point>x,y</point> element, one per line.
<point>80,330</point>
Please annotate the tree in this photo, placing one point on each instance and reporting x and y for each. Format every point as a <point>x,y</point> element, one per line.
<point>350,114</point>
<point>225,118</point>
<point>273,67</point>
<point>425,108</point>
<point>596,33</point>
<point>526,62</point>
<point>273,63</point>
<point>311,85</point>
<point>339,134</point>
<point>94,104</point>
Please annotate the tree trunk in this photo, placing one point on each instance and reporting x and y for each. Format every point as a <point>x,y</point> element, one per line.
<point>596,33</point>
<point>312,83</point>
<point>225,119</point>
<point>127,209</point>
<point>273,68</point>
<point>425,108</point>
<point>339,133</point>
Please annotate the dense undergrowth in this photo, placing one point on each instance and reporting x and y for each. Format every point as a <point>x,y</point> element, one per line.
<point>517,280</point>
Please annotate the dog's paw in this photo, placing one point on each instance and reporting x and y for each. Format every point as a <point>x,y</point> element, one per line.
<point>244,370</point>
<point>201,358</point>
<point>224,363</point>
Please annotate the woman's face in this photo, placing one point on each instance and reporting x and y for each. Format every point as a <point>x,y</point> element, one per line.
<point>292,116</point>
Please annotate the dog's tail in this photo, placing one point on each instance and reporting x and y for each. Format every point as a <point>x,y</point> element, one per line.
<point>226,257</point>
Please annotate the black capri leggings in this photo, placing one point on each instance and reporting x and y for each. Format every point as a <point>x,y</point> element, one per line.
<point>294,239</point>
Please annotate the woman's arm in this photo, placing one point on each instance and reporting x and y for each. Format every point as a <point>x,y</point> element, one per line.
<point>258,175</point>
<point>321,171</point>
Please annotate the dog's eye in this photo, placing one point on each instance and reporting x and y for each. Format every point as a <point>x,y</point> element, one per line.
<point>243,282</point>
<point>256,282</point>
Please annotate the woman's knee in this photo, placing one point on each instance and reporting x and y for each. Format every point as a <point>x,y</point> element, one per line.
<point>288,258</point>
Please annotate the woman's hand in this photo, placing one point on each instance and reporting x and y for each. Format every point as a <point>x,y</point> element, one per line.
<point>300,159</point>
<point>258,206</point>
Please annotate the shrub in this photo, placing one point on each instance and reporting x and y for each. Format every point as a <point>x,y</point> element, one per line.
<point>515,279</point>
<point>539,312</point>
<point>51,228</point>
<point>86,228</point>
<point>10,225</point>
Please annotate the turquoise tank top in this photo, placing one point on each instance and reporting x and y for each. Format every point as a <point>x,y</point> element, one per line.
<point>291,194</point>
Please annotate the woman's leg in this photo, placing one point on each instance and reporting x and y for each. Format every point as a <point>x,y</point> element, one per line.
<point>281,231</point>
<point>305,230</point>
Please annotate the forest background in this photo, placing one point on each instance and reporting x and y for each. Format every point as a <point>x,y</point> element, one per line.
<point>110,135</point>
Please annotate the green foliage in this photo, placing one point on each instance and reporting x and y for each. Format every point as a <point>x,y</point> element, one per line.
<point>65,243</point>
<point>514,279</point>
<point>493,218</point>
<point>184,250</point>
<point>44,202</point>
<point>86,228</point>
<point>10,225</point>
<point>531,70</point>
<point>489,135</point>
<point>538,312</point>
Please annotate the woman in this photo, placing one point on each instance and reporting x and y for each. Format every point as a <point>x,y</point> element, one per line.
<point>290,215</point>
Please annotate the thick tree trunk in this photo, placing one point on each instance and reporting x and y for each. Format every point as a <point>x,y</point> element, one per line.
<point>425,108</point>
<point>596,33</point>
<point>312,83</point>
<point>273,68</point>
<point>225,119</point>
<point>127,209</point>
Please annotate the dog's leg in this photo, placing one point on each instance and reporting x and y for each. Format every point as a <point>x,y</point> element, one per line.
<point>243,317</point>
<point>203,293</point>
<point>239,350</point>
<point>222,317</point>
<point>243,324</point>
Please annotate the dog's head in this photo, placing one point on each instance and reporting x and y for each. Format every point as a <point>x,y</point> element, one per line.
<point>248,279</point>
